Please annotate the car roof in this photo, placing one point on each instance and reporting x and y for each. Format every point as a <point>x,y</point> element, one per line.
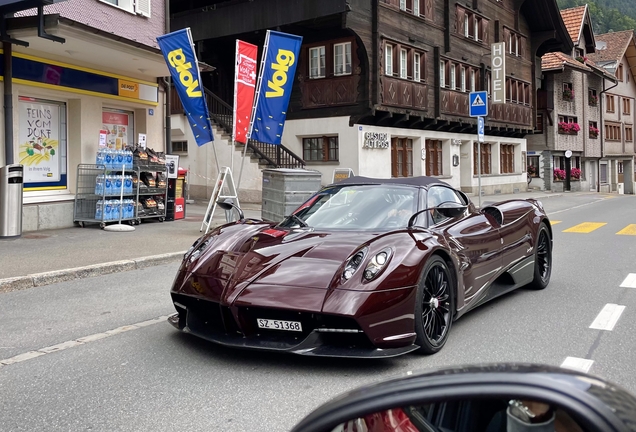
<point>421,181</point>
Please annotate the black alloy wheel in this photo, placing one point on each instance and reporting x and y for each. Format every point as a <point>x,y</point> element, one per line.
<point>542,259</point>
<point>434,308</point>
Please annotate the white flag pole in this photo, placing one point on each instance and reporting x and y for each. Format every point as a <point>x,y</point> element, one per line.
<point>258,95</point>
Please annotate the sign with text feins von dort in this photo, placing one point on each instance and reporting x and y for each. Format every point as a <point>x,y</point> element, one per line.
<point>498,66</point>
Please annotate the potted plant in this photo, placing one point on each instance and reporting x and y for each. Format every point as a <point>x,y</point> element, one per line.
<point>569,128</point>
<point>568,94</point>
<point>593,132</point>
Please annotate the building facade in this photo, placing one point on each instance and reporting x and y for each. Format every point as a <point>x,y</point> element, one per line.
<point>382,85</point>
<point>104,76</point>
<point>616,53</point>
<point>565,151</point>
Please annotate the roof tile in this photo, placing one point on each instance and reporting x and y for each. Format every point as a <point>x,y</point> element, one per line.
<point>615,45</point>
<point>573,19</point>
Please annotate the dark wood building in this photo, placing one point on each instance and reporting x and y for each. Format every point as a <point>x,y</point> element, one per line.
<point>382,86</point>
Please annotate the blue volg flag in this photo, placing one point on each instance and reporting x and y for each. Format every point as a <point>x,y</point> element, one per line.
<point>274,87</point>
<point>182,62</point>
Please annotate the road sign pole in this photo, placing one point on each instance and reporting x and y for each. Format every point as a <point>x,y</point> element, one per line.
<point>478,107</point>
<point>479,170</point>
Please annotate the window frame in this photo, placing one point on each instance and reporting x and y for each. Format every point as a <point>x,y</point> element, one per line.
<point>610,105</point>
<point>442,73</point>
<point>486,158</point>
<point>417,67</point>
<point>320,68</point>
<point>344,46</point>
<point>388,59</point>
<point>401,146</point>
<point>326,148</point>
<point>507,158</point>
<point>434,150</point>
<point>627,106</point>
<point>404,63</point>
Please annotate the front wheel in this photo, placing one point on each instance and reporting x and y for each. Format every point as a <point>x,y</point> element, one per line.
<point>542,259</point>
<point>435,303</point>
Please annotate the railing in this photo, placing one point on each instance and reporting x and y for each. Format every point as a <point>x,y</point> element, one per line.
<point>277,156</point>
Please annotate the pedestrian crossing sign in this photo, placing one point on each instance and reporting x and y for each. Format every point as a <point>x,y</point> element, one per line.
<point>478,104</point>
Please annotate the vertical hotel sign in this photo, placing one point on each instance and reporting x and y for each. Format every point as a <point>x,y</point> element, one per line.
<point>275,82</point>
<point>498,67</point>
<point>40,151</point>
<point>177,49</point>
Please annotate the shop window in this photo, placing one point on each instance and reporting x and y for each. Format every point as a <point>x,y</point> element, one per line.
<point>401,157</point>
<point>507,158</point>
<point>533,166</point>
<point>609,103</point>
<point>342,59</point>
<point>629,135</point>
<point>43,145</point>
<point>321,149</point>
<point>434,158</point>
<point>180,146</point>
<point>317,67</point>
<point>627,106</point>
<point>118,123</point>
<point>485,157</point>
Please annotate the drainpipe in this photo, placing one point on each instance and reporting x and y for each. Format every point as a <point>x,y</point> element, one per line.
<point>602,132</point>
<point>167,84</point>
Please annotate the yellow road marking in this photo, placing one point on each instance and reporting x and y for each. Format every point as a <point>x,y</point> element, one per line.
<point>628,230</point>
<point>555,222</point>
<point>585,227</point>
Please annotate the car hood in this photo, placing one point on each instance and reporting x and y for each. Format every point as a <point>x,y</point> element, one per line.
<point>305,257</point>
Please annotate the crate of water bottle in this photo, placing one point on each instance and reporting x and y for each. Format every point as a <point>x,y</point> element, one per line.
<point>115,159</point>
<point>99,210</point>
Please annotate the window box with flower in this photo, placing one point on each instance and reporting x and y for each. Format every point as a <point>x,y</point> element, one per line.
<point>558,175</point>
<point>581,59</point>
<point>593,132</point>
<point>568,94</point>
<point>593,100</point>
<point>575,174</point>
<point>569,128</point>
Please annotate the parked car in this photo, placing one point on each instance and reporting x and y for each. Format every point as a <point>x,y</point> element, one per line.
<point>489,398</point>
<point>364,268</point>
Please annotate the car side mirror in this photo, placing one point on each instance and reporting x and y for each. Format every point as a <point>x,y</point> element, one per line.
<point>228,204</point>
<point>501,397</point>
<point>451,209</point>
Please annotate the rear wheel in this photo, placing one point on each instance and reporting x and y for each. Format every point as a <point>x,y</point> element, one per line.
<point>542,259</point>
<point>435,303</point>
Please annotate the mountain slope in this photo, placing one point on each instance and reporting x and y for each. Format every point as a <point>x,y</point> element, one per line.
<point>607,15</point>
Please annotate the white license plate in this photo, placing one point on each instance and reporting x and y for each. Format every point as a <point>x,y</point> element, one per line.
<point>279,325</point>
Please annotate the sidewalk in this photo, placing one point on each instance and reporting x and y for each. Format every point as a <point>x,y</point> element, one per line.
<point>44,257</point>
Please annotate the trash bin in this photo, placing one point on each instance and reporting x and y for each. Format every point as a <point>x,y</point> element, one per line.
<point>620,187</point>
<point>284,189</point>
<point>11,178</point>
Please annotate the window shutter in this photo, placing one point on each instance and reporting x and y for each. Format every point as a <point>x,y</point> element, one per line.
<point>142,7</point>
<point>428,9</point>
<point>485,31</point>
<point>522,48</point>
<point>506,39</point>
<point>460,20</point>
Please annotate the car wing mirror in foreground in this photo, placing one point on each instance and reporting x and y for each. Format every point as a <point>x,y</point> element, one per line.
<point>228,204</point>
<point>496,398</point>
<point>447,209</point>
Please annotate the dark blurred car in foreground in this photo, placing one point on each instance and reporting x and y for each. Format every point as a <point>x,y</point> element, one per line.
<point>364,268</point>
<point>489,398</point>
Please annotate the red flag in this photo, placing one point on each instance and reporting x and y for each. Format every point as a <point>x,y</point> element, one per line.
<point>244,85</point>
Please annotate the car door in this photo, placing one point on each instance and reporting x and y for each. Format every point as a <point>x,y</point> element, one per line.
<point>516,231</point>
<point>476,241</point>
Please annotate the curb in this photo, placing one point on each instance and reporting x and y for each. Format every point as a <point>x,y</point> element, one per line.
<point>56,276</point>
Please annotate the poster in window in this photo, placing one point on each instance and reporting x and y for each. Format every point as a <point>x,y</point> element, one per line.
<point>117,126</point>
<point>39,141</point>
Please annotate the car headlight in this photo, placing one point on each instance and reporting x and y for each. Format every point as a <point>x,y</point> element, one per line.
<point>353,263</point>
<point>377,263</point>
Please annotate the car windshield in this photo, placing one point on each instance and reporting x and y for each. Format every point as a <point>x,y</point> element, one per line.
<point>357,207</point>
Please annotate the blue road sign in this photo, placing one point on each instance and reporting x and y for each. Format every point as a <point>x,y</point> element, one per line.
<point>478,104</point>
<point>480,129</point>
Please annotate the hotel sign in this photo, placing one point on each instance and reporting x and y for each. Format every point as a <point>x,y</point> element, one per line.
<point>498,67</point>
<point>378,140</point>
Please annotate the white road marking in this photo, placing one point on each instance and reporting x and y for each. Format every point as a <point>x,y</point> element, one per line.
<point>80,341</point>
<point>578,364</point>
<point>630,281</point>
<point>608,317</point>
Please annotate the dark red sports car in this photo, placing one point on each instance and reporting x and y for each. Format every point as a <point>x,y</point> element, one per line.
<point>365,268</point>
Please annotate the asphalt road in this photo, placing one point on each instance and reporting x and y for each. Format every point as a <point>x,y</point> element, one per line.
<point>119,368</point>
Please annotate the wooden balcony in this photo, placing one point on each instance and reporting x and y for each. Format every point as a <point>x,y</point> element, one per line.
<point>456,103</point>
<point>326,92</point>
<point>403,94</point>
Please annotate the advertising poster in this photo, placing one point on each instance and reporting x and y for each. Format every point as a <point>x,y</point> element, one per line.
<point>117,126</point>
<point>39,141</point>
